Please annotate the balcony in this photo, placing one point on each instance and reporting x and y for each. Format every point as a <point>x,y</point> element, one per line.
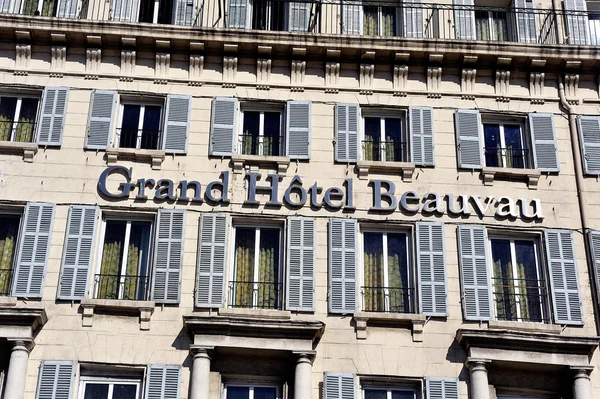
<point>384,151</point>
<point>516,158</point>
<point>520,300</point>
<point>123,287</point>
<point>387,299</point>
<point>266,146</point>
<point>255,295</point>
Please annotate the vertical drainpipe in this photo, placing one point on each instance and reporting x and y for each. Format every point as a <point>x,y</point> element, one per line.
<point>559,21</point>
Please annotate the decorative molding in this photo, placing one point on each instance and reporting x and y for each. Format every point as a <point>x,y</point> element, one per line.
<point>58,61</point>
<point>298,72</point>
<point>536,87</point>
<point>93,59</point>
<point>400,80</point>
<point>263,73</point>
<point>229,71</point>
<point>332,76</point>
<point>127,65</point>
<point>467,83</point>
<point>22,59</point>
<point>434,81</point>
<point>196,67</point>
<point>502,85</point>
<point>367,71</point>
<point>572,88</point>
<point>162,67</point>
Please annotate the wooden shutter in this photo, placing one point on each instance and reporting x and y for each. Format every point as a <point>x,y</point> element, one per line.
<point>464,19</point>
<point>67,8</point>
<point>525,15</point>
<point>346,132</point>
<point>442,388</point>
<point>468,137</point>
<point>577,22</point>
<point>564,280</point>
<point>184,12</point>
<point>299,16</point>
<point>168,255</point>
<point>222,141</point>
<point>52,120</point>
<point>177,124</point>
<point>237,13</point>
<point>352,18</point>
<point>214,228</point>
<point>421,135</point>
<point>55,380</point>
<point>78,252</point>
<point>301,261</point>
<point>589,136</point>
<point>594,238</point>
<point>431,269</point>
<point>412,18</point>
<point>339,386</point>
<point>342,266</point>
<point>100,120</point>
<point>162,381</point>
<point>543,136</point>
<point>476,287</point>
<point>298,129</point>
<point>34,246</point>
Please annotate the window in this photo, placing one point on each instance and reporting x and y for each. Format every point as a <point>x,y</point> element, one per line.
<point>370,20</point>
<point>18,116</point>
<point>270,15</point>
<point>387,393</point>
<point>492,24</point>
<point>139,126</point>
<point>107,388</point>
<point>178,12</point>
<point>505,145</point>
<point>234,391</point>
<point>9,234</point>
<point>384,139</point>
<point>261,133</point>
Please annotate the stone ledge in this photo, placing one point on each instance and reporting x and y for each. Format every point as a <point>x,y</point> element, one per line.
<point>21,320</point>
<point>524,326</point>
<point>415,322</point>
<point>407,169</point>
<point>143,308</point>
<point>156,157</point>
<point>532,176</point>
<point>240,161</point>
<point>27,149</point>
<point>259,313</point>
<point>8,301</point>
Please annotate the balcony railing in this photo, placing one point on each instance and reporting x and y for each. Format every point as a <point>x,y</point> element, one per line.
<point>5,281</point>
<point>520,299</point>
<point>142,139</point>
<point>506,157</point>
<point>387,299</point>
<point>388,151</point>
<point>255,295</point>
<point>21,132</point>
<point>265,145</point>
<point>114,286</point>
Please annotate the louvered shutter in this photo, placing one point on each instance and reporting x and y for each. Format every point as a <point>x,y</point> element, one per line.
<point>431,269</point>
<point>34,246</point>
<point>476,287</point>
<point>577,22</point>
<point>301,261</point>
<point>468,136</point>
<point>237,13</point>
<point>100,119</point>
<point>177,124</point>
<point>298,129</point>
<point>67,9</point>
<point>564,281</point>
<point>342,266</point>
<point>464,19</point>
<point>124,10</point>
<point>212,260</point>
<point>589,136</point>
<point>412,13</point>
<point>55,380</point>
<point>543,136</point>
<point>339,386</point>
<point>7,7</point>
<point>421,135</point>
<point>352,18</point>
<point>52,120</point>
<point>223,131</point>
<point>346,132</point>
<point>184,12</point>
<point>78,252</point>
<point>162,381</point>
<point>525,15</point>
<point>168,255</point>
<point>442,388</point>
<point>594,238</point>
<point>299,16</point>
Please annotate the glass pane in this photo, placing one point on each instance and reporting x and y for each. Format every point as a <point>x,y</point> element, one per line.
<point>243,286</point>
<point>107,282</point>
<point>499,25</point>
<point>250,133</point>
<point>373,290</point>
<point>96,391</point>
<point>8,105</point>
<point>594,29</point>
<point>375,394</point>
<point>129,126</point>
<point>30,7</point>
<point>265,393</point>
<point>151,127</point>
<point>268,269</point>
<point>493,145</point>
<point>372,143</point>
<point>135,279</point>
<point>403,395</point>
<point>272,129</point>
<point>482,25</point>
<point>370,21</point>
<point>122,391</point>
<point>388,21</point>
<point>398,283</point>
<point>9,229</point>
<point>260,14</point>
<point>278,15</point>
<point>26,125</point>
<point>393,140</point>
<point>515,156</point>
<point>528,283</point>
<point>238,393</point>
<point>504,291</point>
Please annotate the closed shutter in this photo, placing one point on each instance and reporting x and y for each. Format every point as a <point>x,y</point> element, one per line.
<point>543,136</point>
<point>476,287</point>
<point>124,10</point>
<point>339,386</point>
<point>301,261</point>
<point>342,266</point>
<point>67,9</point>
<point>184,12</point>
<point>78,252</point>
<point>442,388</point>
<point>237,13</point>
<point>299,16</point>
<point>212,260</point>
<point>525,15</point>
<point>346,132</point>
<point>56,380</point>
<point>564,281</point>
<point>421,135</point>
<point>352,18</point>
<point>298,129</point>
<point>7,7</point>
<point>414,24</point>
<point>177,124</point>
<point>468,137</point>
<point>100,120</point>
<point>162,381</point>
<point>594,237</point>
<point>589,136</point>
<point>577,22</point>
<point>54,109</point>
<point>222,140</point>
<point>34,246</point>
<point>464,19</point>
<point>431,268</point>
<point>168,255</point>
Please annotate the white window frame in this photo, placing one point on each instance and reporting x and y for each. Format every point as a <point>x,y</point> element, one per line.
<point>382,116</point>
<point>389,390</point>
<point>380,20</point>
<point>85,380</point>
<point>20,98</point>
<point>142,104</point>
<point>261,128</point>
<point>490,24</point>
<point>525,144</point>
<point>251,389</point>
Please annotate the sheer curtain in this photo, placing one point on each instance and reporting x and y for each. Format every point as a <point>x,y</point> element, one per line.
<point>8,239</point>
<point>244,267</point>
<point>373,298</point>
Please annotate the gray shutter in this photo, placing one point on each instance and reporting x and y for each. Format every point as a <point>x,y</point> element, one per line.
<point>352,18</point>
<point>223,133</point>
<point>162,381</point>
<point>168,255</point>
<point>525,16</point>
<point>421,135</point>
<point>237,13</point>
<point>298,129</point>
<point>34,246</point>
<point>177,124</point>
<point>431,268</point>
<point>346,132</point>
<point>67,9</point>
<point>55,380</point>
<point>123,10</point>
<point>100,119</point>
<point>299,16</point>
<point>78,252</point>
<point>339,386</point>
<point>464,19</point>
<point>442,388</point>
<point>589,136</point>
<point>468,136</point>
<point>476,287</point>
<point>52,120</point>
<point>301,261</point>
<point>564,281</point>
<point>594,238</point>
<point>543,136</point>
<point>577,22</point>
<point>212,260</point>
<point>412,13</point>
<point>342,266</point>
<point>184,12</point>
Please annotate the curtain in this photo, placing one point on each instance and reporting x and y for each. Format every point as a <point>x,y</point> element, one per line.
<point>24,131</point>
<point>30,7</point>
<point>131,279</point>
<point>370,148</point>
<point>523,292</point>
<point>373,290</point>
<point>110,268</point>
<point>244,268</point>
<point>48,8</point>
<point>388,23</point>
<point>8,239</point>
<point>267,279</point>
<point>504,291</point>
<point>397,287</point>
<point>391,150</point>
<point>370,21</point>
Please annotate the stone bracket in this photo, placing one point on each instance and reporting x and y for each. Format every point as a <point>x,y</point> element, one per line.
<point>366,74</point>
<point>407,169</point>
<point>532,176</point>
<point>434,81</point>
<point>230,65</point>
<point>145,309</point>
<point>240,162</point>
<point>127,65</point>
<point>196,63</point>
<point>502,85</point>
<point>467,83</point>
<point>27,149</point>
<point>23,58</point>
<point>263,73</point>
<point>163,61</point>
<point>400,80</point>
<point>298,73</point>
<point>536,87</point>
<point>156,157</point>
<point>332,76</point>
<point>416,322</point>
<point>572,88</point>
<point>58,61</point>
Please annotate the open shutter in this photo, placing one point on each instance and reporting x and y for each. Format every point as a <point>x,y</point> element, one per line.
<point>421,135</point>
<point>594,237</point>
<point>168,255</point>
<point>476,287</point>
<point>343,291</point>
<point>100,119</point>
<point>34,246</point>
<point>431,268</point>
<point>442,388</point>
<point>299,16</point>
<point>543,136</point>
<point>346,132</point>
<point>222,130</point>
<point>525,15</point>
<point>352,18</point>
<point>412,18</point>
<point>162,381</point>
<point>78,252</point>
<point>52,120</point>
<point>124,10</point>
<point>237,13</point>
<point>177,124</point>
<point>301,261</point>
<point>464,19</point>
<point>67,8</point>
<point>339,386</point>
<point>212,260</point>
<point>468,136</point>
<point>56,380</point>
<point>577,22</point>
<point>589,137</point>
<point>298,129</point>
<point>564,281</point>
<point>184,12</point>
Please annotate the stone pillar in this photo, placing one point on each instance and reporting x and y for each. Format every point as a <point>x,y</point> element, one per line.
<point>17,371</point>
<point>200,378</point>
<point>303,376</point>
<point>479,378</point>
<point>582,388</point>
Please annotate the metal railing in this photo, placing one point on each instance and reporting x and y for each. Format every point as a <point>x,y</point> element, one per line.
<point>255,294</point>
<point>520,299</point>
<point>579,27</point>
<point>517,158</point>
<point>260,145</point>
<point>22,132</point>
<point>387,299</point>
<point>388,151</point>
<point>115,286</point>
<point>6,276</point>
<point>138,138</point>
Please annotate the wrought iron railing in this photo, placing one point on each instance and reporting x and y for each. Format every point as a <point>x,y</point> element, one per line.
<point>520,299</point>
<point>387,299</point>
<point>255,294</point>
<point>22,132</point>
<point>265,145</point>
<point>506,157</point>
<point>579,27</point>
<point>115,286</point>
<point>388,151</point>
<point>138,138</point>
<point>6,276</point>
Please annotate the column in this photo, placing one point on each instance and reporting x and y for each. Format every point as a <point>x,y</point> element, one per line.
<point>479,378</point>
<point>17,371</point>
<point>200,378</point>
<point>303,376</point>
<point>582,388</point>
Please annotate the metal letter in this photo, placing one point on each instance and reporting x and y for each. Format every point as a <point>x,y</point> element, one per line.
<point>165,190</point>
<point>433,205</point>
<point>409,196</point>
<point>273,188</point>
<point>183,187</point>
<point>124,188</point>
<point>295,185</point>
<point>314,191</point>
<point>142,184</point>
<point>479,206</point>
<point>464,207</point>
<point>222,186</point>
<point>537,209</point>
<point>334,194</point>
<point>387,195</point>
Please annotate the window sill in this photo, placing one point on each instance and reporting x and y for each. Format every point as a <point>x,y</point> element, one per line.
<point>524,326</point>
<point>259,313</point>
<point>143,308</point>
<point>408,320</point>
<point>7,301</point>
<point>406,168</point>
<point>27,149</point>
<point>156,157</point>
<point>532,175</point>
<point>241,161</point>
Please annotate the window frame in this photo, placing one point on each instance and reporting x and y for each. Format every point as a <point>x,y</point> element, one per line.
<point>490,23</point>
<point>21,214</point>
<point>17,114</point>
<point>126,101</point>
<point>525,135</point>
<point>251,387</point>
<point>395,31</point>
<point>389,389</point>
<point>262,109</point>
<point>85,379</point>
<point>382,115</point>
